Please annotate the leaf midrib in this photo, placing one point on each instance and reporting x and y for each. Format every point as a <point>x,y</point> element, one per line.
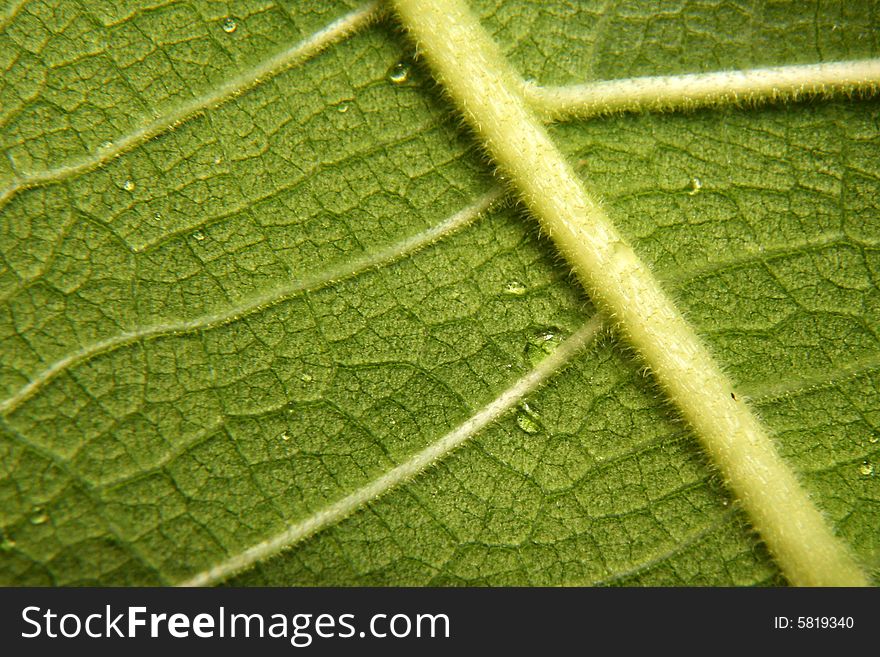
<point>488,92</point>
<point>337,511</point>
<point>870,363</point>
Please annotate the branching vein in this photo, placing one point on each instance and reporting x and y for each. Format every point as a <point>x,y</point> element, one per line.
<point>296,54</point>
<point>507,114</point>
<point>489,93</point>
<point>693,91</point>
<point>349,269</point>
<point>409,468</point>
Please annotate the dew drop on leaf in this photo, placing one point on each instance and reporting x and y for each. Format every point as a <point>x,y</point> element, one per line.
<point>399,73</point>
<point>528,419</point>
<point>128,185</point>
<point>515,288</point>
<point>527,424</point>
<point>342,108</point>
<point>542,344</point>
<point>39,517</point>
<point>199,235</point>
<point>229,25</point>
<point>866,469</point>
<point>307,378</point>
<point>873,439</point>
<point>695,186</point>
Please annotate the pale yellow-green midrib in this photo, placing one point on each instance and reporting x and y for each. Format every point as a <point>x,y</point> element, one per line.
<point>485,88</point>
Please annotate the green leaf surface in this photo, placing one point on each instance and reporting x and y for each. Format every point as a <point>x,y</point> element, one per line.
<point>227,328</point>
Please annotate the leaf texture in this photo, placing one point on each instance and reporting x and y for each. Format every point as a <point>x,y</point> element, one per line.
<point>230,326</point>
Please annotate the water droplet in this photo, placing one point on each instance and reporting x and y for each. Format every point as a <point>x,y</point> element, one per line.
<point>542,344</point>
<point>307,378</point>
<point>39,517</point>
<point>157,216</point>
<point>528,419</point>
<point>199,235</point>
<point>342,108</point>
<point>515,288</point>
<point>866,469</point>
<point>695,186</point>
<point>399,73</point>
<point>229,25</point>
<point>873,439</point>
<point>218,159</point>
<point>105,145</point>
<point>527,424</point>
<point>128,185</point>
<point>285,436</point>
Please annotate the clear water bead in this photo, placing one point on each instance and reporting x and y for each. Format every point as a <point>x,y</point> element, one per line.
<point>542,344</point>
<point>399,73</point>
<point>527,424</point>
<point>527,419</point>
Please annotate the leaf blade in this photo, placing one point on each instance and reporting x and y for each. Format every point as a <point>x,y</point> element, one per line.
<point>222,491</point>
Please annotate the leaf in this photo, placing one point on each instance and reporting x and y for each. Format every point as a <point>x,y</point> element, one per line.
<point>234,325</point>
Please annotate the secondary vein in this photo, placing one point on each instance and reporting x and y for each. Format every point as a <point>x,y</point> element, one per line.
<point>696,90</point>
<point>346,270</point>
<point>490,95</point>
<point>416,464</point>
<point>298,53</point>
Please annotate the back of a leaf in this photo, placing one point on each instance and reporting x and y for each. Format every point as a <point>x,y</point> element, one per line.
<point>282,286</point>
